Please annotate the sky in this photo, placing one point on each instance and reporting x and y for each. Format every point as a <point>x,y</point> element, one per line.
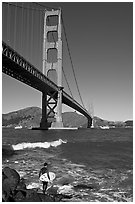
<point>100,38</point>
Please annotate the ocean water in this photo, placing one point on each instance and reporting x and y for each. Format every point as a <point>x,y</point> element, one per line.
<point>99,162</point>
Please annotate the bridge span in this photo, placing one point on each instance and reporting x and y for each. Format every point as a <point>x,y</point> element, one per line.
<point>17,67</point>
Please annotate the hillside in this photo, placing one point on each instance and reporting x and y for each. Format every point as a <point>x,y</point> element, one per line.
<point>31,117</point>
<point>129,123</point>
<point>28,117</point>
<point>73,119</point>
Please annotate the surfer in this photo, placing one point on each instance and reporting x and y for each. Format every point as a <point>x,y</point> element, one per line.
<point>44,170</point>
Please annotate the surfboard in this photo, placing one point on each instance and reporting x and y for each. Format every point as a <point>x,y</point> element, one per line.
<point>44,177</point>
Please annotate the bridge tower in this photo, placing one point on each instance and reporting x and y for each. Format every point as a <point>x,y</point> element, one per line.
<point>52,45</point>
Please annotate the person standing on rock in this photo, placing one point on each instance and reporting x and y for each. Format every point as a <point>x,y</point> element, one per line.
<point>44,170</point>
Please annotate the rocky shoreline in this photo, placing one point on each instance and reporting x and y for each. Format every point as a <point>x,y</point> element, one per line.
<point>14,190</point>
<point>65,189</point>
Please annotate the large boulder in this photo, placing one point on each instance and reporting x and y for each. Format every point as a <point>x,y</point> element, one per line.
<point>19,196</point>
<point>10,180</point>
<point>11,174</point>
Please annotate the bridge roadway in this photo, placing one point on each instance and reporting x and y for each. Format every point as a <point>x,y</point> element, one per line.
<point>17,67</point>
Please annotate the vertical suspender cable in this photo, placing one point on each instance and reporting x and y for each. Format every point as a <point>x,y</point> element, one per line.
<point>8,24</point>
<point>22,30</point>
<point>40,38</point>
<point>27,37</point>
<point>31,37</point>
<point>14,44</point>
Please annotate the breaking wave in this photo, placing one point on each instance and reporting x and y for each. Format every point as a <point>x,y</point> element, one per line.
<point>45,145</point>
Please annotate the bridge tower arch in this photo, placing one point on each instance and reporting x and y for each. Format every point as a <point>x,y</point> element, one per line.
<point>54,44</point>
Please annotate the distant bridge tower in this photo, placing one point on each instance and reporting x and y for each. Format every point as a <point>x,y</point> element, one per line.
<point>52,67</point>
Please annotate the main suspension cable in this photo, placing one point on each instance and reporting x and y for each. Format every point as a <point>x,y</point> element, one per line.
<point>19,6</point>
<point>67,83</point>
<point>44,6</point>
<point>72,62</point>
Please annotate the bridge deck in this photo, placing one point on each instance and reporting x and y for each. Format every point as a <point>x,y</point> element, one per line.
<point>17,67</point>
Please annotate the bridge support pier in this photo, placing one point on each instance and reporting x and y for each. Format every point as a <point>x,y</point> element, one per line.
<point>52,66</point>
<point>89,123</point>
<point>58,123</point>
<point>51,102</point>
<point>44,123</point>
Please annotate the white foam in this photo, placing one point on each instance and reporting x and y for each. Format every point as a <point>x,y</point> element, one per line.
<point>45,145</point>
<point>66,189</point>
<point>34,185</point>
<point>22,173</point>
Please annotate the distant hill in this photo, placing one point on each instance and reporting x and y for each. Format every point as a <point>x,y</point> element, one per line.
<point>31,117</point>
<point>129,123</point>
<point>28,117</point>
<point>73,119</point>
<point>100,122</point>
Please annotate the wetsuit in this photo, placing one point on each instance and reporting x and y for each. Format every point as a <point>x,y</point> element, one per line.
<point>45,183</point>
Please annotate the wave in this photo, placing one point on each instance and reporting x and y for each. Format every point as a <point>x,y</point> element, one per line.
<point>45,145</point>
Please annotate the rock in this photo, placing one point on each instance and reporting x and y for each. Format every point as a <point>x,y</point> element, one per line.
<point>66,189</point>
<point>12,175</point>
<point>65,180</point>
<point>67,196</point>
<point>10,172</point>
<point>21,185</point>
<point>14,189</point>
<point>53,198</point>
<point>84,186</point>
<point>26,196</point>
<point>33,198</point>
<point>6,190</point>
<point>10,180</point>
<point>52,190</point>
<point>58,197</point>
<point>19,196</point>
<point>46,198</point>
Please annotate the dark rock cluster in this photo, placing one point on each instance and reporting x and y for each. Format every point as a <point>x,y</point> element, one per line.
<point>14,190</point>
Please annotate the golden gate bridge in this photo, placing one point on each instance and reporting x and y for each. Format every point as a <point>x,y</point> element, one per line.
<point>31,29</point>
